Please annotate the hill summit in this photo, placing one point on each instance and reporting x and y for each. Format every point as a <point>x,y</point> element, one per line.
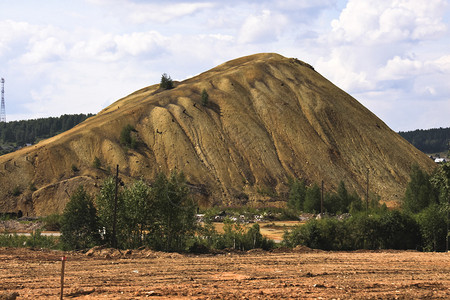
<point>268,119</point>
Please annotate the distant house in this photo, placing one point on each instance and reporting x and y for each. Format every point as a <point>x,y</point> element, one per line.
<point>439,160</point>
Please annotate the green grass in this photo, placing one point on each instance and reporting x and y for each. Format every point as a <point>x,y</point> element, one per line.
<point>36,240</point>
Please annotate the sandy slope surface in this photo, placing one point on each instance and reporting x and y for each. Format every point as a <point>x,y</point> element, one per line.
<point>302,273</point>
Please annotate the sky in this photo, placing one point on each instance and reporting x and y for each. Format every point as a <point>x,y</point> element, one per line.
<point>66,57</point>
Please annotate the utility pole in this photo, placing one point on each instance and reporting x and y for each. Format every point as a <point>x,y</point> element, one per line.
<point>114,238</point>
<point>448,212</point>
<point>367,191</point>
<point>2,107</point>
<point>321,201</point>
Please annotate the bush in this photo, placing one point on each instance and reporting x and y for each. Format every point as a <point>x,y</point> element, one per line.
<point>16,191</point>
<point>126,139</point>
<point>390,230</point>
<point>433,227</point>
<point>52,222</point>
<point>96,163</point>
<point>235,236</point>
<point>166,82</point>
<point>205,98</point>
<point>32,187</point>
<point>35,240</point>
<point>399,230</point>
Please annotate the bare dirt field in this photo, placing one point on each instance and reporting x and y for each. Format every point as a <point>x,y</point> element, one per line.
<point>300,273</point>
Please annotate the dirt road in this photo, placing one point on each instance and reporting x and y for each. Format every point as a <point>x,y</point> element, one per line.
<point>108,274</point>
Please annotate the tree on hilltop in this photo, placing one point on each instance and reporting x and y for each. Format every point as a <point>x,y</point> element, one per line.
<point>166,82</point>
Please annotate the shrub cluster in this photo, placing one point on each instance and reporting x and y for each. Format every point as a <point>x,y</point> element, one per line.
<point>236,236</point>
<point>389,230</point>
<point>421,223</point>
<point>126,137</point>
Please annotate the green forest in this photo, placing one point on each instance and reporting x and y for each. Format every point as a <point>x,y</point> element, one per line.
<point>16,134</point>
<point>429,141</point>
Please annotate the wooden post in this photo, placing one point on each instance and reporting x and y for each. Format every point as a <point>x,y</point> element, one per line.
<point>63,261</point>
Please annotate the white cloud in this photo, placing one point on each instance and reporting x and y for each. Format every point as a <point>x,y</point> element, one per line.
<point>107,47</point>
<point>138,43</point>
<point>400,68</point>
<point>443,63</point>
<point>42,50</point>
<point>140,12</point>
<point>80,56</point>
<point>388,21</point>
<point>265,27</point>
<point>341,67</point>
<point>303,4</point>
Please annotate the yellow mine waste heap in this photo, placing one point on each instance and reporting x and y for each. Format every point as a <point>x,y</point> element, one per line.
<point>269,118</point>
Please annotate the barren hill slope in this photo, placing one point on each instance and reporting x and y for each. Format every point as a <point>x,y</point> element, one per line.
<point>270,118</point>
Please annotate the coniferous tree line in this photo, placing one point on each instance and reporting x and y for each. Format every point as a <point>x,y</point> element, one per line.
<point>430,140</point>
<point>308,199</point>
<point>19,133</point>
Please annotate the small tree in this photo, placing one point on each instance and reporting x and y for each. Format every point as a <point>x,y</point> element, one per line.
<point>441,181</point>
<point>166,82</point>
<point>79,224</point>
<point>312,199</point>
<point>175,220</point>
<point>297,193</point>
<point>105,203</point>
<point>205,98</point>
<point>419,191</point>
<point>139,213</point>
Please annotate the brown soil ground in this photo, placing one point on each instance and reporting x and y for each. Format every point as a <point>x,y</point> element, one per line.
<point>300,273</point>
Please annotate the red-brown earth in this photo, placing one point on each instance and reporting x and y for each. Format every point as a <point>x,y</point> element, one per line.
<point>301,273</point>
